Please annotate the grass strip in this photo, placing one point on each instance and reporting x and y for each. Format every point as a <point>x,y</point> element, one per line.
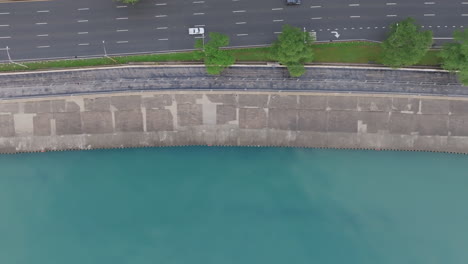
<point>334,52</point>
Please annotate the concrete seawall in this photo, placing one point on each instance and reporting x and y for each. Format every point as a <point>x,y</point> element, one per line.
<point>235,118</point>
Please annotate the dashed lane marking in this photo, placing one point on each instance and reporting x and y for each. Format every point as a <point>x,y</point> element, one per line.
<point>41,23</point>
<point>42,47</point>
<point>121,18</point>
<point>241,35</point>
<point>42,35</point>
<point>121,30</point>
<point>161,28</point>
<point>83,44</point>
<point>121,41</point>
<point>43,11</point>
<point>241,23</point>
<point>160,16</point>
<point>83,9</point>
<point>5,37</point>
<point>82,33</point>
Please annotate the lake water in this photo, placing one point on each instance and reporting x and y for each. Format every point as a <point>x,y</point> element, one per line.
<point>208,205</point>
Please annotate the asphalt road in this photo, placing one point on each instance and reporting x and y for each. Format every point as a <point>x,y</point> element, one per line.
<point>69,28</point>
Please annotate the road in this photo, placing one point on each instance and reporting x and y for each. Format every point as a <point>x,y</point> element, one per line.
<point>69,28</point>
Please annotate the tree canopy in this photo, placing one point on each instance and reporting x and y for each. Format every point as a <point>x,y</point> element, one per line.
<point>406,44</point>
<point>128,1</point>
<point>292,49</point>
<point>216,59</point>
<point>455,55</point>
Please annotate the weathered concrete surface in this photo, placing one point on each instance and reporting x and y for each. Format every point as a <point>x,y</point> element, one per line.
<point>236,119</point>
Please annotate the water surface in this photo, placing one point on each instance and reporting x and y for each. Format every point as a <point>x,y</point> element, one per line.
<point>233,205</point>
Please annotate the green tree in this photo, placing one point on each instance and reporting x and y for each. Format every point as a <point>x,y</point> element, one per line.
<point>292,49</point>
<point>455,55</point>
<point>216,59</point>
<point>406,44</point>
<point>128,1</point>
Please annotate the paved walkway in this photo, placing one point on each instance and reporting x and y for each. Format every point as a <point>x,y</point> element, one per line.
<point>143,78</point>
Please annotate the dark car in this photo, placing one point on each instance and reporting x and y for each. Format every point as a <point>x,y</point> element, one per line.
<point>293,2</point>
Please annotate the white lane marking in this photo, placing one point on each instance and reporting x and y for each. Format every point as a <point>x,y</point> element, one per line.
<point>160,16</point>
<point>82,33</point>
<point>354,16</point>
<point>354,5</point>
<point>277,9</point>
<point>82,21</point>
<point>122,6</point>
<point>240,35</point>
<point>42,35</point>
<point>121,41</point>
<point>161,28</point>
<point>241,23</point>
<point>429,3</point>
<point>464,14</point>
<point>429,14</point>
<point>121,30</point>
<point>163,39</point>
<point>316,18</point>
<point>390,4</point>
<point>83,44</point>
<point>277,32</point>
<point>198,2</point>
<point>83,9</point>
<point>464,3</point>
<point>5,13</point>
<point>198,14</point>
<point>199,25</point>
<point>121,18</point>
<point>43,11</point>
<point>161,4</point>
<point>442,38</point>
<point>391,15</point>
<point>4,25</point>
<point>239,11</point>
<point>6,37</point>
<point>42,47</point>
<point>278,20</point>
<point>41,23</point>
<point>315,6</point>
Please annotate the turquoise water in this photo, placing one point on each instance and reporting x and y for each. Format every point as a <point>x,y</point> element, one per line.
<point>233,205</point>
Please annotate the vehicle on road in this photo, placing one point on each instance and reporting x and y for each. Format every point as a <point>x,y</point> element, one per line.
<point>293,2</point>
<point>196,31</point>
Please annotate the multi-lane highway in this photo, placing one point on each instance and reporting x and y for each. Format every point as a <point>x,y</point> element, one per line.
<point>69,28</point>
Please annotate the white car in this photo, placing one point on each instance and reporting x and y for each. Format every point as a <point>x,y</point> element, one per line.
<point>196,31</point>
